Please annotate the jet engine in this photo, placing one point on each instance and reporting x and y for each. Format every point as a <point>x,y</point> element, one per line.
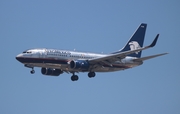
<point>51,72</point>
<point>80,64</point>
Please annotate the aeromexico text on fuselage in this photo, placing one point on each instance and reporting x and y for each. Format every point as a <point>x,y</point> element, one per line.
<point>58,51</point>
<point>67,53</point>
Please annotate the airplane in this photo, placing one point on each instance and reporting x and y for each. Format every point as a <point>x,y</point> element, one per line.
<point>54,62</point>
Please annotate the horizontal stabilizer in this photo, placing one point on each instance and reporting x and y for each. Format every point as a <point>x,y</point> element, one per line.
<point>148,57</point>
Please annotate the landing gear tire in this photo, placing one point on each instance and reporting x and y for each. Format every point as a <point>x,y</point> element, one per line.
<point>32,71</point>
<point>91,74</point>
<point>74,77</point>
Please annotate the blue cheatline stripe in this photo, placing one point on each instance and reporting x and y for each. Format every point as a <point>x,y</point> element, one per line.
<point>41,60</point>
<point>56,61</point>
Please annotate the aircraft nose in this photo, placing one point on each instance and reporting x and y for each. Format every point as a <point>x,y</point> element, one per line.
<point>19,57</point>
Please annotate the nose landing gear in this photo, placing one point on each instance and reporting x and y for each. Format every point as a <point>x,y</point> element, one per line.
<point>28,66</point>
<point>32,71</point>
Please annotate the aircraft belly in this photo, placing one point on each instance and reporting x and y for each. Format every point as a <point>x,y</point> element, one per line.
<point>48,65</point>
<point>107,69</point>
<point>114,67</point>
<point>99,68</point>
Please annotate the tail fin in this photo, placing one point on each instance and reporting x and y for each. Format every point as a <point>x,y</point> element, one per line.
<point>136,41</point>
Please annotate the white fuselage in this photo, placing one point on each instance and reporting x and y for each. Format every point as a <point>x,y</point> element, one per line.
<point>60,59</point>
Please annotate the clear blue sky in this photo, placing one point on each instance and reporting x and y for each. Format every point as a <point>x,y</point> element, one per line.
<point>95,26</point>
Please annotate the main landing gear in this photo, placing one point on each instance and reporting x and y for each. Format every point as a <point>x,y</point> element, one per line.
<point>91,74</point>
<point>75,77</point>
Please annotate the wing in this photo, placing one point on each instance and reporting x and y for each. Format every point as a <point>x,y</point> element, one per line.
<point>114,57</point>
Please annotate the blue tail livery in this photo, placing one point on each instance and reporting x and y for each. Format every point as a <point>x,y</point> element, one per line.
<point>136,41</point>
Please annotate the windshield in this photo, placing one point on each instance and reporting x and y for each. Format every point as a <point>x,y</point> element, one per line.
<point>27,51</point>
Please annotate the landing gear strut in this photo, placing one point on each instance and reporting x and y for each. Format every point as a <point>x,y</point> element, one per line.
<point>74,77</point>
<point>28,66</point>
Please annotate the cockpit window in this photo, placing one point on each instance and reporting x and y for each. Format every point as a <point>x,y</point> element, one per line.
<point>27,52</point>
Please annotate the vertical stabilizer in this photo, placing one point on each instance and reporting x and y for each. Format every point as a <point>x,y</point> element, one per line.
<point>136,41</point>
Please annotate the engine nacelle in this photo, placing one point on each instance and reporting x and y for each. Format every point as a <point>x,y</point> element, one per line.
<point>80,64</point>
<point>51,72</point>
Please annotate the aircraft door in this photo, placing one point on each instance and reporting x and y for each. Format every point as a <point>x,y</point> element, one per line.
<point>45,53</point>
<point>42,54</point>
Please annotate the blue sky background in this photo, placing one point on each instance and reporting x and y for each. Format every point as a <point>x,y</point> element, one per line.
<point>94,26</point>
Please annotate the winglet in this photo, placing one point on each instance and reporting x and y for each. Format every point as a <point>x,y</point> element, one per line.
<point>154,42</point>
